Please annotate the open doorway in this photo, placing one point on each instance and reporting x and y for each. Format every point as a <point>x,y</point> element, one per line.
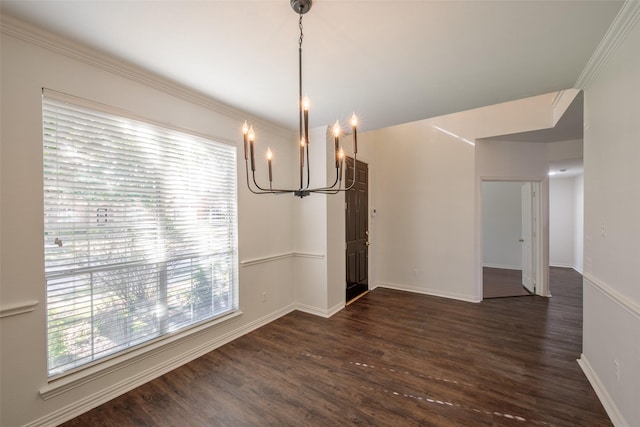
<point>510,219</point>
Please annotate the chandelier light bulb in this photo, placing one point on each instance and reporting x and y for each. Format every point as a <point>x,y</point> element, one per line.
<point>252,134</point>
<point>336,129</point>
<point>245,128</point>
<point>354,120</point>
<point>269,155</point>
<point>306,103</point>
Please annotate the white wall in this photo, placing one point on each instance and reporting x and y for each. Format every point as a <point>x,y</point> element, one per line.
<point>611,335</point>
<point>566,212</point>
<point>264,222</point>
<point>424,220</point>
<point>562,222</point>
<point>310,236</point>
<point>501,224</point>
<point>566,209</point>
<point>565,150</point>
<point>579,224</point>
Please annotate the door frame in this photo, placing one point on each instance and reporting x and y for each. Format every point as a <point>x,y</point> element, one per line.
<point>527,234</point>
<point>540,241</point>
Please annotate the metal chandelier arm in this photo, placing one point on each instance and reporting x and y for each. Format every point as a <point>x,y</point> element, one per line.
<point>261,190</point>
<point>332,189</point>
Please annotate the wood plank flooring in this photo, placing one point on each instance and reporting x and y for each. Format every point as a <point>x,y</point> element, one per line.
<point>500,283</point>
<point>391,358</point>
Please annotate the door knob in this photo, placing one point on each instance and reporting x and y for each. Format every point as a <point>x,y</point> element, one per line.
<point>367,243</point>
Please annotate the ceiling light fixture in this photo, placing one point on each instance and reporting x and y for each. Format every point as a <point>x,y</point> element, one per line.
<point>300,7</point>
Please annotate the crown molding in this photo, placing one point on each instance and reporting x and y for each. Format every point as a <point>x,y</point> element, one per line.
<point>623,23</point>
<point>29,33</point>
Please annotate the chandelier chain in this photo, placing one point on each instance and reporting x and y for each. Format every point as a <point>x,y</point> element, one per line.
<point>301,34</point>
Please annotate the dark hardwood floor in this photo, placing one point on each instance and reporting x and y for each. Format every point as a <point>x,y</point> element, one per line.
<point>501,283</point>
<point>391,358</point>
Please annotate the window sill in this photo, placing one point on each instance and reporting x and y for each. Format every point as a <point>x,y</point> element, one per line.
<point>67,382</point>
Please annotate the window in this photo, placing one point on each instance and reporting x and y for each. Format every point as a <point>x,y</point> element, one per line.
<point>140,231</point>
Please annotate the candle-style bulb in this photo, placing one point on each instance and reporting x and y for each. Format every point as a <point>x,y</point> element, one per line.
<point>252,134</point>
<point>245,138</point>
<point>341,154</point>
<point>336,129</point>
<point>306,103</point>
<point>301,142</point>
<point>354,126</point>
<point>269,155</point>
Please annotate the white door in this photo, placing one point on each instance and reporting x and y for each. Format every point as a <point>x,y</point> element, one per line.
<point>525,240</point>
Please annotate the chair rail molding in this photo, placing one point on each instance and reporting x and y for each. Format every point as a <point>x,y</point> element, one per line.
<point>18,308</point>
<point>276,257</point>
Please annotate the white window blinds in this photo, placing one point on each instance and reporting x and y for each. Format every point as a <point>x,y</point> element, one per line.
<point>140,231</point>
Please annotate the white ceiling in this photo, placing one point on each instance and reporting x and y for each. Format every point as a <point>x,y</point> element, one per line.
<point>391,62</point>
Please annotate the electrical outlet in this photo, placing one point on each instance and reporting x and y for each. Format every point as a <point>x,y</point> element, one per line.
<point>603,229</point>
<point>264,297</point>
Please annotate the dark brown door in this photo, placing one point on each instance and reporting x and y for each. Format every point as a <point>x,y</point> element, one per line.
<point>357,207</point>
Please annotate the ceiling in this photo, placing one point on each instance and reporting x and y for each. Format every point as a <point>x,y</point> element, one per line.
<point>390,61</point>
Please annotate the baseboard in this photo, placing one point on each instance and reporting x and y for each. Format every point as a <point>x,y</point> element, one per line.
<point>561,265</point>
<point>96,399</point>
<point>336,308</point>
<point>316,311</point>
<point>503,267</point>
<point>430,292</point>
<point>612,410</point>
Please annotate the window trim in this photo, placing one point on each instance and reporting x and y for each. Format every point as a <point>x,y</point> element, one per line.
<point>67,381</point>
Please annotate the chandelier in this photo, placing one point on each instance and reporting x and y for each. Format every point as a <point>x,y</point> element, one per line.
<point>300,7</point>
